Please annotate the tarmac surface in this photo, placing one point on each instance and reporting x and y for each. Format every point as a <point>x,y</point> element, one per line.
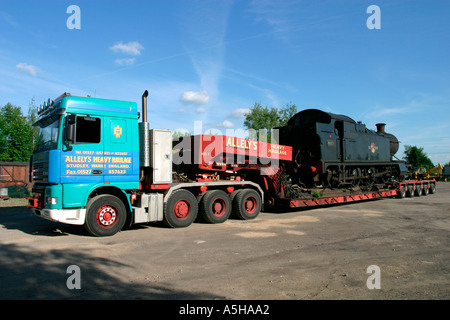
<point>373,250</point>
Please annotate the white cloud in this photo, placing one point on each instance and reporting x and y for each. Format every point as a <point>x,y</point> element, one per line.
<point>131,48</point>
<point>195,97</point>
<point>200,110</point>
<point>182,110</point>
<point>204,27</point>
<point>30,69</point>
<point>240,113</point>
<point>225,124</point>
<point>125,61</point>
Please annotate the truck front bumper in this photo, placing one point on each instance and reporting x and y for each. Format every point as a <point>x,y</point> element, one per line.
<point>69,216</point>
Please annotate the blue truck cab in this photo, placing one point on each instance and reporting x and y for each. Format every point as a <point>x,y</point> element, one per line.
<point>87,154</point>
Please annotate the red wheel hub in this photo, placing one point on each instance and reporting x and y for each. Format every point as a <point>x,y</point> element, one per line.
<point>219,207</point>
<point>106,216</point>
<point>181,209</point>
<point>250,205</point>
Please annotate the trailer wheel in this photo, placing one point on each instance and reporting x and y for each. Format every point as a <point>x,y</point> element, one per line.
<point>180,209</point>
<point>215,206</point>
<point>247,204</point>
<point>432,188</point>
<point>409,190</point>
<point>425,189</point>
<point>105,215</point>
<point>418,191</point>
<point>402,193</point>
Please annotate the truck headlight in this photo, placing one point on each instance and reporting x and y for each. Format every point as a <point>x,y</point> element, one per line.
<point>52,200</point>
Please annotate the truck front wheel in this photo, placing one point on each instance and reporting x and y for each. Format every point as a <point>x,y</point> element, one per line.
<point>105,215</point>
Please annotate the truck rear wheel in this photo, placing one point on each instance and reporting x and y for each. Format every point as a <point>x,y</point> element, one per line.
<point>180,209</point>
<point>215,206</point>
<point>105,215</point>
<point>247,204</point>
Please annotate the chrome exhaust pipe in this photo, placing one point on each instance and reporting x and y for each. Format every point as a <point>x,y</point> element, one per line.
<point>144,106</point>
<point>144,135</point>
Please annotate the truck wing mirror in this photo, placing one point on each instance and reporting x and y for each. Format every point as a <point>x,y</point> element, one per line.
<point>69,130</point>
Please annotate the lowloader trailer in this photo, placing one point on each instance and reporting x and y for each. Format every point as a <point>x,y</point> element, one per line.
<point>96,165</point>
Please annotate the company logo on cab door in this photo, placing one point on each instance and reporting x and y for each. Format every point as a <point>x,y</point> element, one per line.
<point>117,131</point>
<point>84,162</point>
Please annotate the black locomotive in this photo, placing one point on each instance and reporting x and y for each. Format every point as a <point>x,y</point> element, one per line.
<point>335,151</point>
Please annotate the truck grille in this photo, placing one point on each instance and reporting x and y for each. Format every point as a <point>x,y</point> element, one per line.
<point>40,171</point>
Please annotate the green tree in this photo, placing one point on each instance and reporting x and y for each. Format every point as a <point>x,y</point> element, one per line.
<point>16,138</point>
<point>179,134</point>
<point>31,118</point>
<point>417,157</point>
<point>265,118</point>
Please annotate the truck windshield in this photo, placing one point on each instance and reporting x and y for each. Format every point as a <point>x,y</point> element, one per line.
<point>48,137</point>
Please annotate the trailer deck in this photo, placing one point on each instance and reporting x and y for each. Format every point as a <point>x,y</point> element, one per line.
<point>408,188</point>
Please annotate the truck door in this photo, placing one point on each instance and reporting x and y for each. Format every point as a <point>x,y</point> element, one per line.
<point>118,147</point>
<point>77,162</point>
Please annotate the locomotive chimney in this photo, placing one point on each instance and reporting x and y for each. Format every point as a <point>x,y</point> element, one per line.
<point>380,127</point>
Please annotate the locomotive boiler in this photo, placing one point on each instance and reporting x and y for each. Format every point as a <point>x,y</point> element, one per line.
<point>332,150</point>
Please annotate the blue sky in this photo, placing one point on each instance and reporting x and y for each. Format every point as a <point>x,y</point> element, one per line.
<point>211,60</point>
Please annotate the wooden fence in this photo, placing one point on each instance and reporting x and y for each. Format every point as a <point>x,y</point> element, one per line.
<point>15,175</point>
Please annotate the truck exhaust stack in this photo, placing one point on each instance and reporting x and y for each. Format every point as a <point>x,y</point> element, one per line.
<point>144,106</point>
<point>144,135</point>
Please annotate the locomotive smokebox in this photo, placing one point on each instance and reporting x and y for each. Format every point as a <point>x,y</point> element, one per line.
<point>380,127</point>
<point>393,141</point>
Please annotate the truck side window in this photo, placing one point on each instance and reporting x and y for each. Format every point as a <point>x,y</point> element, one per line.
<point>88,130</point>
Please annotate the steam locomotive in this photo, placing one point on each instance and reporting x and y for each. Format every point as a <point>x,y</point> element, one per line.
<point>335,151</point>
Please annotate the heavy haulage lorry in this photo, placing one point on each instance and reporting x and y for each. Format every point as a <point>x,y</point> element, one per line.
<point>96,165</point>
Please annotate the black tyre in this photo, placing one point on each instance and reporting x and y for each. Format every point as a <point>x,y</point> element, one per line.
<point>402,192</point>
<point>418,191</point>
<point>180,209</point>
<point>233,194</point>
<point>247,204</point>
<point>425,189</point>
<point>409,190</point>
<point>432,188</point>
<point>105,215</point>
<point>215,206</point>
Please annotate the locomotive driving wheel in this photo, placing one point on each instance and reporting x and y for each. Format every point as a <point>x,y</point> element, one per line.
<point>354,174</point>
<point>370,173</point>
